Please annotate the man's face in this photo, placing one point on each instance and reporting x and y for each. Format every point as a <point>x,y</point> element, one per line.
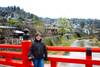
<point>38,37</point>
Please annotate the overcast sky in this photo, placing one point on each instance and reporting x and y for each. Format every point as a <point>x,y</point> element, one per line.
<point>58,8</point>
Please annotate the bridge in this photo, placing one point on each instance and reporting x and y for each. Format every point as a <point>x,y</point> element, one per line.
<point>6,57</point>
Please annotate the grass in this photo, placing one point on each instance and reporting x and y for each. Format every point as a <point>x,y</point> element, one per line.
<point>59,41</point>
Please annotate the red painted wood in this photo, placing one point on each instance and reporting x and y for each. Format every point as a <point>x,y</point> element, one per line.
<point>66,49</point>
<point>25,49</point>
<point>11,54</point>
<point>10,46</point>
<point>96,50</point>
<point>53,64</point>
<point>25,46</point>
<point>89,61</point>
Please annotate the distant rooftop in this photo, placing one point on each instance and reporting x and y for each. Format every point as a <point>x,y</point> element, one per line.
<point>7,27</point>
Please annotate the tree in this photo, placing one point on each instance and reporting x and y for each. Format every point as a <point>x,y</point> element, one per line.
<point>35,18</point>
<point>64,25</point>
<point>12,21</point>
<point>39,26</point>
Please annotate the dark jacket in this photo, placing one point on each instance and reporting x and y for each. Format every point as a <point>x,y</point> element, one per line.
<point>38,50</point>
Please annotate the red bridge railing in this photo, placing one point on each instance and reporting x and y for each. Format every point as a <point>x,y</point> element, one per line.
<point>25,45</point>
<point>9,55</point>
<point>88,61</point>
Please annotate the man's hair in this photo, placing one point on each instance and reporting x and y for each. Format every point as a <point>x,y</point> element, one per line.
<point>38,34</point>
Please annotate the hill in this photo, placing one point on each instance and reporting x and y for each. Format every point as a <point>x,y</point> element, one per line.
<point>15,12</point>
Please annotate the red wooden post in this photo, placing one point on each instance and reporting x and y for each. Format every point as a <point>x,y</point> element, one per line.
<point>8,59</point>
<point>53,64</point>
<point>25,49</point>
<point>89,57</point>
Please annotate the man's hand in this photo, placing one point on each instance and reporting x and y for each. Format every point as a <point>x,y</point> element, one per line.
<point>30,58</point>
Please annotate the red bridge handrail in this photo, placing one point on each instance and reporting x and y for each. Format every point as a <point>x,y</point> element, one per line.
<point>71,49</point>
<point>9,55</point>
<point>10,46</point>
<point>25,45</point>
<point>66,49</point>
<point>88,61</point>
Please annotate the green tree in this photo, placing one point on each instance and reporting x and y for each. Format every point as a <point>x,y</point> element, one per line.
<point>39,26</point>
<point>35,18</point>
<point>64,25</point>
<point>12,21</point>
